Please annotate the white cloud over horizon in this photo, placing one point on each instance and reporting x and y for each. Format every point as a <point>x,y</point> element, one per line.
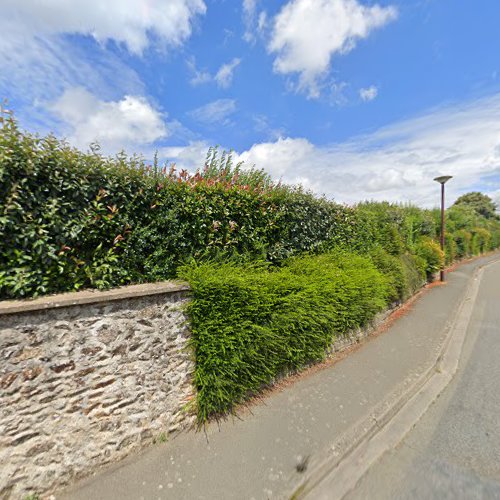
<point>495,195</point>
<point>306,35</point>
<point>395,163</point>
<point>40,61</point>
<point>128,123</point>
<point>41,69</point>
<point>190,157</point>
<point>398,162</point>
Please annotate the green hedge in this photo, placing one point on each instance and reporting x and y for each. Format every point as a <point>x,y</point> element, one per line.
<point>70,219</point>
<point>251,323</point>
<point>405,273</point>
<point>430,251</point>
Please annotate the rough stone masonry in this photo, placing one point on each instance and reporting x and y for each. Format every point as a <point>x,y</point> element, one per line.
<point>87,377</point>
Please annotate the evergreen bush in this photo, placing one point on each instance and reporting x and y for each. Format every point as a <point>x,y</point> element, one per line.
<point>430,251</point>
<point>252,323</point>
<point>70,220</point>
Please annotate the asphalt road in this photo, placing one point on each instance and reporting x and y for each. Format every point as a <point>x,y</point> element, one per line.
<point>454,450</point>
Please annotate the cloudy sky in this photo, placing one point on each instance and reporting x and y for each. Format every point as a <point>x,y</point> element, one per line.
<point>355,99</point>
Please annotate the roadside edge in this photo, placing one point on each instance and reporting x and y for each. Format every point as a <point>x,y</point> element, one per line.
<point>337,472</point>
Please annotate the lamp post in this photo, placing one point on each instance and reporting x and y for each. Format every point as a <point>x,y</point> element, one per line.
<point>443,179</point>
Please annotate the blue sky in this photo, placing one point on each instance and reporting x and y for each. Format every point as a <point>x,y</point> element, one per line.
<point>355,99</point>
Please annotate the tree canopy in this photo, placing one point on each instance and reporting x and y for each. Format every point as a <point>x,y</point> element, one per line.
<point>481,203</point>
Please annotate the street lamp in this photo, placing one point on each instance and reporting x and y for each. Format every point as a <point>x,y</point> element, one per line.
<point>443,179</point>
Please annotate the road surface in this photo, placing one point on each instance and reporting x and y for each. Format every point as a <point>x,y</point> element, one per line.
<point>454,450</point>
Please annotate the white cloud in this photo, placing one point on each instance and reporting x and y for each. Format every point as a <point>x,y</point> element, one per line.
<point>217,112</point>
<point>398,162</point>
<point>199,76</point>
<point>224,77</point>
<point>495,195</point>
<point>337,93</point>
<point>127,22</point>
<point>306,35</point>
<point>249,7</point>
<point>281,158</point>
<point>38,70</point>
<point>190,157</point>
<point>249,14</point>
<point>39,62</point>
<point>125,124</point>
<point>262,22</point>
<point>263,125</point>
<point>254,22</point>
<point>368,94</point>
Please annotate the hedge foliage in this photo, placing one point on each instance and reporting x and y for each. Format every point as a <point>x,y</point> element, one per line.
<point>251,323</point>
<point>70,220</point>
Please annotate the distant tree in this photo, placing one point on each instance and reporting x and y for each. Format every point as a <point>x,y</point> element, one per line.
<point>480,203</point>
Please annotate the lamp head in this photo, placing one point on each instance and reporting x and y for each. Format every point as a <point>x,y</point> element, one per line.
<point>443,178</point>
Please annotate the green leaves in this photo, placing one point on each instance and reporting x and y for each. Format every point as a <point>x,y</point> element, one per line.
<point>252,322</point>
<point>61,212</point>
<point>429,250</point>
<point>70,220</point>
<point>85,220</point>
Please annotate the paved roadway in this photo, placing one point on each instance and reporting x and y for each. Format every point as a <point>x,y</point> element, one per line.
<point>454,450</point>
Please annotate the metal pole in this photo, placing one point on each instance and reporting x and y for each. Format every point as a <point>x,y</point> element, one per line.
<point>442,228</point>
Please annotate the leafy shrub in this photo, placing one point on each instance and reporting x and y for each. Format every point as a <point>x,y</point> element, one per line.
<point>396,228</point>
<point>463,240</point>
<point>430,251</point>
<point>251,323</point>
<point>405,273</point>
<point>414,271</point>
<point>62,216</point>
<point>482,204</point>
<point>392,268</point>
<point>450,248</point>
<point>306,223</point>
<point>481,239</point>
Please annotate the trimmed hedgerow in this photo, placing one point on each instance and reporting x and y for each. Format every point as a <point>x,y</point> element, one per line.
<point>70,220</point>
<point>405,273</point>
<point>251,323</point>
<point>392,268</point>
<point>414,273</point>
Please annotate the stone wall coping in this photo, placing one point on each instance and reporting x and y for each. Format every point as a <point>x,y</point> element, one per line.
<point>91,297</point>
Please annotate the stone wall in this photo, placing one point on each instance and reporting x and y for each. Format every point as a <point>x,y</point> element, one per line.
<point>87,377</point>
